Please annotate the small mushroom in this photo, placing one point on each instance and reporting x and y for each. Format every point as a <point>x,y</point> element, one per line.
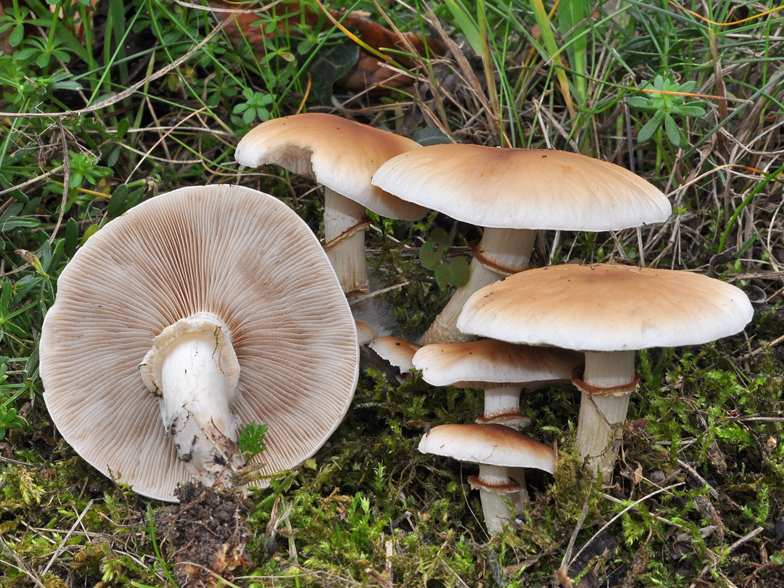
<point>496,449</point>
<point>342,155</point>
<point>396,352</point>
<point>228,303</point>
<point>513,193</point>
<point>365,333</point>
<point>501,369</point>
<point>607,311</point>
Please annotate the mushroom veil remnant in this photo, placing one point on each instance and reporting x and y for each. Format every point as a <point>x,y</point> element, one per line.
<point>194,313</point>
<point>609,312</point>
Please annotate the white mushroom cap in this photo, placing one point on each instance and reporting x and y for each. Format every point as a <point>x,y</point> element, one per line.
<point>523,188</point>
<point>484,363</point>
<point>235,253</point>
<point>606,308</point>
<point>494,445</point>
<point>398,352</point>
<point>340,154</point>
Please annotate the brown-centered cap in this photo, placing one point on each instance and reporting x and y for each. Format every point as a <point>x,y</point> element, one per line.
<point>398,352</point>
<point>488,362</point>
<point>341,154</point>
<point>606,308</point>
<point>523,188</point>
<point>230,251</point>
<point>488,444</point>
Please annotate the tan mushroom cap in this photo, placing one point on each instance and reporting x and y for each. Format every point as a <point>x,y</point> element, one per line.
<point>341,154</point>
<point>488,362</point>
<point>227,250</point>
<point>606,308</point>
<point>489,445</point>
<point>523,188</point>
<point>365,333</point>
<point>398,352</point>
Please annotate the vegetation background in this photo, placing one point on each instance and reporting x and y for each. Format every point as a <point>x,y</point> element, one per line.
<point>108,103</point>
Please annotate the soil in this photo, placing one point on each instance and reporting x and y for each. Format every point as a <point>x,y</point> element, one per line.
<point>207,533</point>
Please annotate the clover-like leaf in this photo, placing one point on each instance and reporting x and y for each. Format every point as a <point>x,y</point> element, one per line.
<point>454,273</point>
<point>431,254</point>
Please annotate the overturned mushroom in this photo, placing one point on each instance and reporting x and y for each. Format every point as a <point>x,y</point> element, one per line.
<point>228,303</point>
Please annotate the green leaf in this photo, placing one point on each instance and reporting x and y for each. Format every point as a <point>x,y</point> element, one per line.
<point>251,439</point>
<point>431,254</point>
<point>71,237</point>
<point>640,103</point>
<point>440,236</point>
<point>461,271</point>
<point>91,230</point>
<point>647,131</point>
<point>17,35</point>
<point>431,136</point>
<point>331,63</point>
<point>687,86</point>
<point>673,133</point>
<point>689,110</point>
<point>118,203</point>
<point>466,25</point>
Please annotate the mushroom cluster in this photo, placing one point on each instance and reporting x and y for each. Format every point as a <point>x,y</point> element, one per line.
<point>222,309</point>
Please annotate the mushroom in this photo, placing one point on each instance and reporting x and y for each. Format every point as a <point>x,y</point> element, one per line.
<point>342,155</point>
<point>607,311</point>
<point>192,314</point>
<point>501,369</point>
<point>397,352</point>
<point>365,333</point>
<point>513,193</point>
<point>496,449</point>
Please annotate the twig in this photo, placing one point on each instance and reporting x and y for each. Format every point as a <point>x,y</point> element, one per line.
<point>125,94</point>
<point>745,539</point>
<point>68,536</point>
<point>66,182</point>
<point>761,349</point>
<point>619,515</point>
<point>33,576</point>
<point>32,180</point>
<point>364,297</point>
<point>568,553</point>
<point>700,479</point>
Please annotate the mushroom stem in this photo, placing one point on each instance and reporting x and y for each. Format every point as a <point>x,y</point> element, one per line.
<point>345,240</point>
<point>500,252</point>
<point>602,412</point>
<point>502,407</point>
<point>193,369</point>
<point>496,490</point>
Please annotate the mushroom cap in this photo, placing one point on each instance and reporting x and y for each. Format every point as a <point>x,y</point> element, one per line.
<point>340,154</point>
<point>491,363</point>
<point>398,352</point>
<point>230,251</point>
<point>365,333</point>
<point>488,444</point>
<point>606,308</point>
<point>523,188</point>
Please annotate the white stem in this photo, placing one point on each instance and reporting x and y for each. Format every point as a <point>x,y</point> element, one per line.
<point>495,507</point>
<point>194,370</point>
<point>348,255</point>
<point>519,499</point>
<point>507,248</point>
<point>502,400</point>
<point>600,414</point>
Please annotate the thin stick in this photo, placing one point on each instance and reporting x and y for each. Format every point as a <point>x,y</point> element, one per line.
<point>359,299</point>
<point>616,517</point>
<point>568,553</point>
<point>68,536</point>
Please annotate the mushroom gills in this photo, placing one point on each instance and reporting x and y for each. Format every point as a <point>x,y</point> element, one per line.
<point>193,369</point>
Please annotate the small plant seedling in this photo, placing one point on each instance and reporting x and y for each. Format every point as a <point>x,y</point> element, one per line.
<point>454,272</point>
<point>663,106</point>
<point>251,441</point>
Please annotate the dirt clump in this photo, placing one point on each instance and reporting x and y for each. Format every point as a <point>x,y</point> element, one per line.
<point>207,533</point>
